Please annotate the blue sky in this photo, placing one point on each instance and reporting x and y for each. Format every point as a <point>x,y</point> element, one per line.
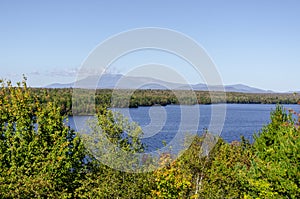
<point>256,43</point>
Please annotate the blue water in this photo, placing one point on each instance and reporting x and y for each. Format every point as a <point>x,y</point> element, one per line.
<point>164,123</point>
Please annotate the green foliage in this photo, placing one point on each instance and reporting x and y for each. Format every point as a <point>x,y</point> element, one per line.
<point>112,142</point>
<point>275,172</point>
<point>39,155</point>
<point>172,180</point>
<point>224,177</point>
<point>105,182</point>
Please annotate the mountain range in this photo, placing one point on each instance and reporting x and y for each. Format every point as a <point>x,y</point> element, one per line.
<point>117,81</point>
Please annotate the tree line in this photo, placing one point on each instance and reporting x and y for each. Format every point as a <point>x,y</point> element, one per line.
<point>86,100</point>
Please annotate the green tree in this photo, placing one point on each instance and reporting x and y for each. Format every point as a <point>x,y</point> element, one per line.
<point>113,141</point>
<point>39,156</point>
<point>275,171</point>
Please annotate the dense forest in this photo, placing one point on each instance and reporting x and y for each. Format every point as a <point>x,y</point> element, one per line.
<point>87,99</point>
<point>40,157</point>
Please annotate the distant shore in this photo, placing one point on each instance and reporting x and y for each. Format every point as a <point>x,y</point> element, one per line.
<point>86,100</point>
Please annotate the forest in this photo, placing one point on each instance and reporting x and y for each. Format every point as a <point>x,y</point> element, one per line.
<point>41,157</point>
<point>87,99</point>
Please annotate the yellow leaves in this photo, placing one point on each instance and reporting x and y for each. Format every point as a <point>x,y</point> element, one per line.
<point>65,144</point>
<point>156,193</point>
<point>59,158</point>
<point>172,180</point>
<point>264,188</point>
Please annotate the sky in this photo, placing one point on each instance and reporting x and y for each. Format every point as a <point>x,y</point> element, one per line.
<point>255,42</point>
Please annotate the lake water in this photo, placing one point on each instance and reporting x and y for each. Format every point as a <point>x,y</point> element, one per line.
<point>163,123</point>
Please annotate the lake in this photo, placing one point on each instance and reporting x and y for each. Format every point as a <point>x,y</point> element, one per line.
<point>162,123</point>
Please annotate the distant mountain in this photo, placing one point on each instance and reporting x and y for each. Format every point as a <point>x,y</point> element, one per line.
<point>245,89</point>
<point>117,81</point>
<point>58,85</point>
<point>294,92</point>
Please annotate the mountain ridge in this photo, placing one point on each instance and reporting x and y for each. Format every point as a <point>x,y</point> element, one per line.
<point>118,81</point>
